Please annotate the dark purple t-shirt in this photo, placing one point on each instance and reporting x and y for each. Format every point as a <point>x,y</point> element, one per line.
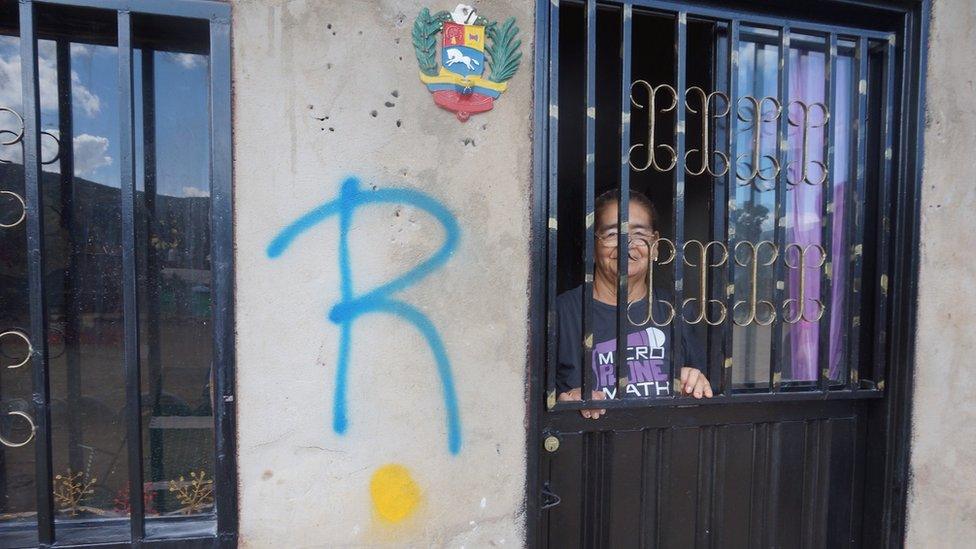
<point>649,349</point>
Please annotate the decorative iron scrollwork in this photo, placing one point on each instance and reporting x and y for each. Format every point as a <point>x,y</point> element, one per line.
<point>805,126</point>
<point>798,304</point>
<point>652,258</point>
<point>745,254</point>
<point>705,99</point>
<point>753,159</point>
<point>652,110</point>
<point>23,210</point>
<point>702,298</point>
<point>754,303</point>
<point>33,429</point>
<point>22,336</point>
<point>18,135</point>
<point>18,138</point>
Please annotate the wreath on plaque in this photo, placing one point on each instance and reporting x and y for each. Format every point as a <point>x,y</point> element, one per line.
<point>469,42</point>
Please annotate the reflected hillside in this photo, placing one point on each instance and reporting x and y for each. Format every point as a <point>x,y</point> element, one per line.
<point>179,228</point>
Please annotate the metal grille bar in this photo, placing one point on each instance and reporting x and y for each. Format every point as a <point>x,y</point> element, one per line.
<point>678,203</point>
<point>719,400</point>
<point>730,203</point>
<point>130,290</point>
<point>552,234</point>
<point>856,217</point>
<point>195,9</point>
<point>590,169</point>
<point>782,145</point>
<point>885,209</point>
<point>827,213</point>
<point>623,211</point>
<point>707,11</point>
<point>35,273</point>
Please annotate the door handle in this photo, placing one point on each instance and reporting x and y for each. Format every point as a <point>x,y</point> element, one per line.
<point>549,498</point>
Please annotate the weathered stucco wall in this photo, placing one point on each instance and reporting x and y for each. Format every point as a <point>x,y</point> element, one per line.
<point>942,506</point>
<point>327,92</point>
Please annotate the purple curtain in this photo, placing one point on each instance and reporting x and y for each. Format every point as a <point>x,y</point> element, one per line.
<point>805,207</point>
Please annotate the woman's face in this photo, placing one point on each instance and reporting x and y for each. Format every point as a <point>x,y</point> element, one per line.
<point>642,235</point>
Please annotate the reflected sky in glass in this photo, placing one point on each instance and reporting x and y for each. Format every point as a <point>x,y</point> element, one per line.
<point>183,164</point>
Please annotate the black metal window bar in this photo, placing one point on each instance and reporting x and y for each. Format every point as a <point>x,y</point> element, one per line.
<point>215,16</point>
<point>717,301</point>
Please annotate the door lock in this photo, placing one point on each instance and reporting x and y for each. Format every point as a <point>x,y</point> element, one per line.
<point>551,443</point>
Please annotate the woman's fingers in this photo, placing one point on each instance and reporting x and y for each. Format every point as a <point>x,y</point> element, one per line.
<point>570,395</point>
<point>698,385</point>
<point>689,384</point>
<point>575,395</point>
<point>597,413</point>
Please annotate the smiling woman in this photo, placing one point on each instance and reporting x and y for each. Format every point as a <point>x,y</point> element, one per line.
<point>644,371</point>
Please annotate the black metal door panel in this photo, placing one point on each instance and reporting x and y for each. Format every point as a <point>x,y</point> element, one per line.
<point>757,484</point>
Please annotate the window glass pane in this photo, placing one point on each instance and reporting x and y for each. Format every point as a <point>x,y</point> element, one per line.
<point>752,219</point>
<point>842,122</point>
<point>804,253</point>
<point>84,282</point>
<point>173,220</point>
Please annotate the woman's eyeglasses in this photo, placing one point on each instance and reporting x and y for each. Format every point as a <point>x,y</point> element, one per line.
<point>638,238</point>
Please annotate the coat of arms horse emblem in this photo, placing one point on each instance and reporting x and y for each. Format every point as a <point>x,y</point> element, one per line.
<point>458,84</point>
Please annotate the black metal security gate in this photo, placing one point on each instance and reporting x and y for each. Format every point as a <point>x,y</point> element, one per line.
<point>156,272</point>
<point>785,143</point>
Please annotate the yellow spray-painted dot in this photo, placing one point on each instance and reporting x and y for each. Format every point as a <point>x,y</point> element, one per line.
<point>394,492</point>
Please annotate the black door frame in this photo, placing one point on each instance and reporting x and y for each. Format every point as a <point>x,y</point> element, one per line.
<point>889,417</point>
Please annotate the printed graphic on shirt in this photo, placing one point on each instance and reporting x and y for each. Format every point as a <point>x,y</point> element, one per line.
<point>646,370</point>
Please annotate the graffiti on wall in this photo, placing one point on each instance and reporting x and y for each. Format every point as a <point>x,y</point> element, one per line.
<point>394,493</point>
<point>380,299</point>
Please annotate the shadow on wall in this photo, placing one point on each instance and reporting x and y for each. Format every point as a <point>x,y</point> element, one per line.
<point>380,299</point>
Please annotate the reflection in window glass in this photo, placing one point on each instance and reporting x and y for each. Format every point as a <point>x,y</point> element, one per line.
<point>804,321</point>
<point>84,288</point>
<point>83,275</point>
<point>843,121</point>
<point>174,173</point>
<point>753,218</point>
<point>17,495</point>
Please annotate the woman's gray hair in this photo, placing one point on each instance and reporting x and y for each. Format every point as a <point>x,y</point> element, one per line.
<point>613,197</point>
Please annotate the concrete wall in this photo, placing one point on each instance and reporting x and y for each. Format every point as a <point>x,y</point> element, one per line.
<point>327,92</point>
<point>942,507</point>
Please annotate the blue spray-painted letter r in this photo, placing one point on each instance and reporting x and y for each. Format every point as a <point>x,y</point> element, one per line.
<point>380,299</point>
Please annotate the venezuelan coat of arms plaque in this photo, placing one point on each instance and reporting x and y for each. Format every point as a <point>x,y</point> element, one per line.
<point>470,45</point>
